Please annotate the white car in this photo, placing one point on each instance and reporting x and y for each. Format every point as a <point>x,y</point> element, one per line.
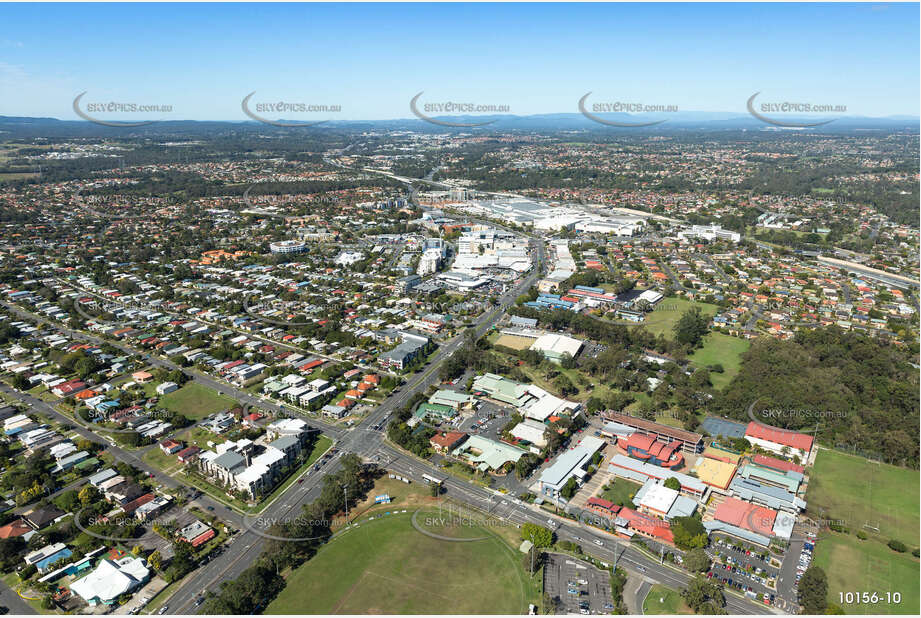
<point>599,543</point>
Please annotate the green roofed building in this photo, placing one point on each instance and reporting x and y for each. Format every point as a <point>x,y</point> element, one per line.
<point>90,463</point>
<point>436,410</point>
<point>486,454</point>
<point>502,389</point>
<point>452,399</point>
<point>790,481</point>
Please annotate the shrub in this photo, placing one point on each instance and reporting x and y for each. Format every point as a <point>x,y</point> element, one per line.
<point>861,535</point>
<point>898,546</point>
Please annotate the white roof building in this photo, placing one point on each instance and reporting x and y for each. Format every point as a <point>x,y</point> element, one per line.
<point>110,579</point>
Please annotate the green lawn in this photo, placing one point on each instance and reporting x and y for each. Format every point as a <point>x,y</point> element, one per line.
<point>662,600</point>
<point>196,401</point>
<point>669,311</point>
<point>724,350</point>
<point>849,488</point>
<point>621,492</point>
<point>385,566</point>
<point>868,566</point>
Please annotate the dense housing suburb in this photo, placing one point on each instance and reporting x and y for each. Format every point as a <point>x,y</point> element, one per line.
<point>590,362</point>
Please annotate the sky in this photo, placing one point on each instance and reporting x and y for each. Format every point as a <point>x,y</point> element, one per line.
<point>372,59</point>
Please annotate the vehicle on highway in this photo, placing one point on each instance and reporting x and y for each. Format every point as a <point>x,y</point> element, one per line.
<point>199,601</point>
<point>163,610</point>
<point>599,543</point>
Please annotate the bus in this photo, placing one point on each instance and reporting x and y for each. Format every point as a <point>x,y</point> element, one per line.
<point>431,479</point>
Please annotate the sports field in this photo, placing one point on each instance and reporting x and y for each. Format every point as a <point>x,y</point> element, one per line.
<point>196,401</point>
<point>858,492</point>
<point>724,350</point>
<point>386,566</point>
<point>868,566</point>
<point>669,311</point>
<point>515,342</point>
<point>662,600</point>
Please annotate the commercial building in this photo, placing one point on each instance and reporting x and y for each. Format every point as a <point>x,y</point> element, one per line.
<point>570,464</point>
<point>402,355</point>
<point>743,520</point>
<point>287,247</point>
<point>710,233</point>
<point>555,347</point>
<point>655,499</point>
<point>485,454</point>
<point>715,473</point>
<point>640,472</point>
<point>648,449</point>
<point>779,441</point>
<point>690,442</point>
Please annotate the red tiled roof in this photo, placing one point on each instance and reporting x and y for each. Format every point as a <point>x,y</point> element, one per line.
<point>14,528</point>
<point>777,464</point>
<point>792,439</point>
<point>745,515</point>
<point>447,440</point>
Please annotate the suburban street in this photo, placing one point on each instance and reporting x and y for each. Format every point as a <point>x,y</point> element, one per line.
<point>243,549</point>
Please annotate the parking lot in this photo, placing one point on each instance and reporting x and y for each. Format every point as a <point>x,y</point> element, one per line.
<point>579,587</point>
<point>742,567</point>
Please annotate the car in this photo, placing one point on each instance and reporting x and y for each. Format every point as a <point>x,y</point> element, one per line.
<point>550,522</point>
<point>210,508</point>
<point>199,601</point>
<point>641,569</point>
<point>299,481</point>
<point>163,610</point>
<point>710,575</point>
<point>145,600</point>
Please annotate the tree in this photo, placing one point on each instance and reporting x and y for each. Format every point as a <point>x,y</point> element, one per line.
<point>813,591</point>
<point>697,561</point>
<point>155,560</point>
<point>691,327</point>
<point>570,488</point>
<point>688,533</point>
<point>896,545</point>
<point>10,550</point>
<point>88,495</point>
<point>673,483</point>
<point>540,536</point>
<point>704,597</point>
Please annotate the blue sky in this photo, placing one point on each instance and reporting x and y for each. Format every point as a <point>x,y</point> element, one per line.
<point>370,59</point>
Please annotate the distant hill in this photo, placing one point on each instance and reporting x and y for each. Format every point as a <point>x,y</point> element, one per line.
<point>25,127</point>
